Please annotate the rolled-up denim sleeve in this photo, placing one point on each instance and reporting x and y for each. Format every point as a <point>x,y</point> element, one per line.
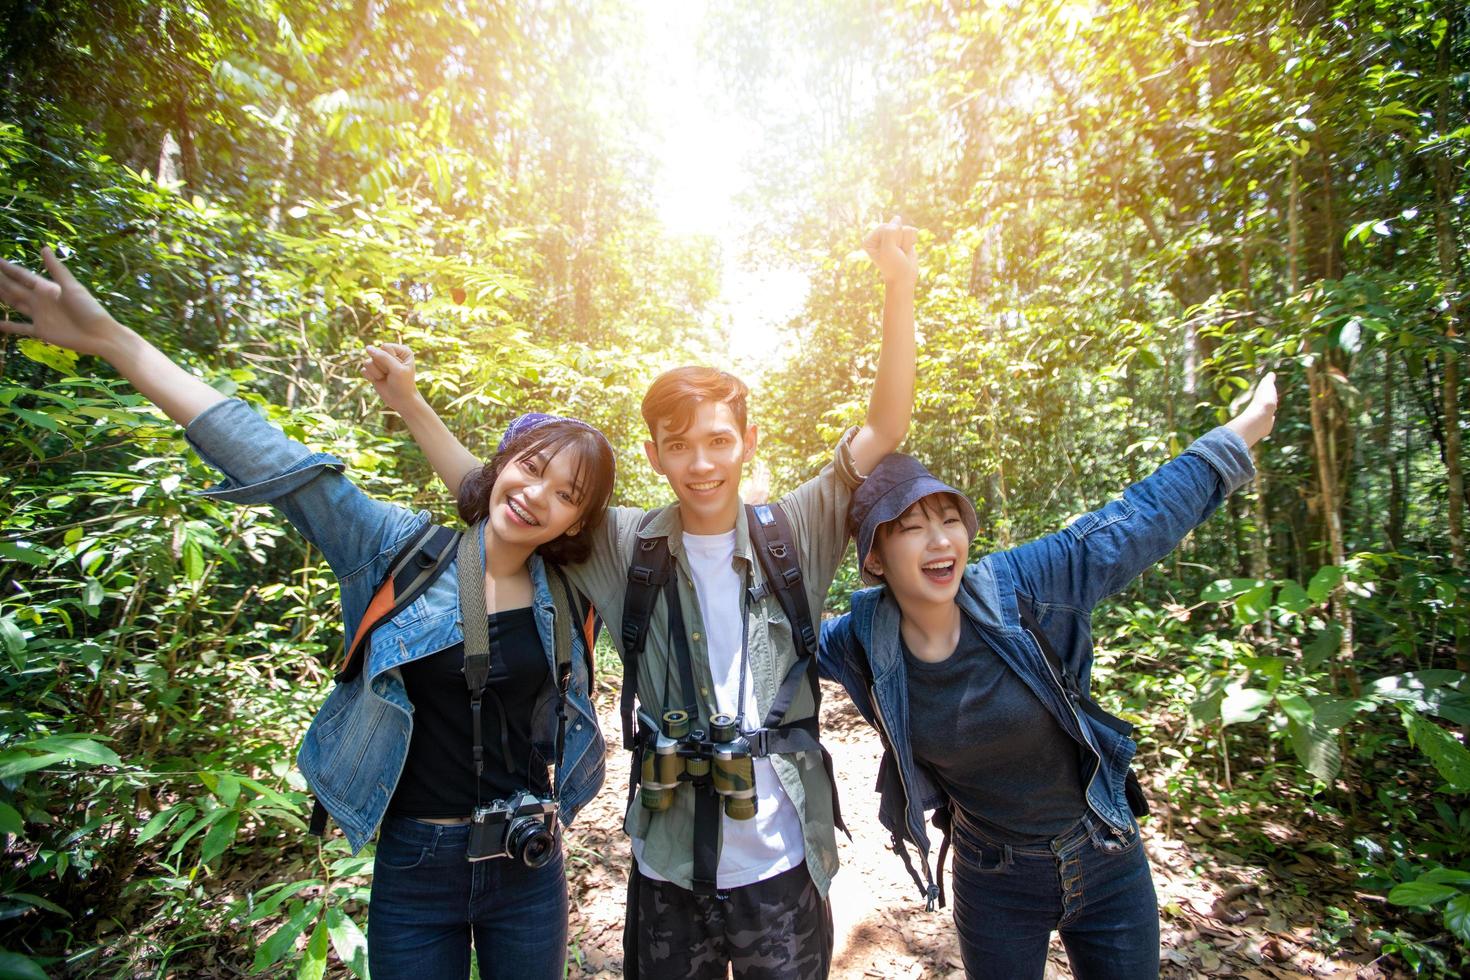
<point>262,465</point>
<point>1100,553</point>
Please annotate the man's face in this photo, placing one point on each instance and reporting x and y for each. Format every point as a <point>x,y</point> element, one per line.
<point>921,554</point>
<point>703,464</point>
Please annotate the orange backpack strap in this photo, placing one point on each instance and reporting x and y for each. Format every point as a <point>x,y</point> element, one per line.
<point>410,574</point>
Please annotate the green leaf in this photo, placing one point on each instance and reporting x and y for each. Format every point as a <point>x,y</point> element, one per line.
<point>56,358</point>
<point>1322,584</point>
<point>163,818</point>
<point>18,763</point>
<point>1435,692</point>
<point>78,749</point>
<point>36,901</point>
<point>193,560</point>
<point>1243,704</point>
<point>13,638</point>
<point>1450,758</point>
<point>284,939</point>
<point>1316,749</point>
<point>348,941</point>
<point>1292,597</point>
<point>1457,916</point>
<point>1323,646</point>
<point>14,966</point>
<point>227,788</point>
<point>1446,876</point>
<point>219,838</point>
<point>39,419</point>
<point>1296,707</point>
<point>92,594</point>
<point>1227,588</point>
<point>1254,604</point>
<point>20,552</point>
<point>1421,893</point>
<point>1334,712</point>
<point>10,821</point>
<point>314,964</point>
<point>267,907</point>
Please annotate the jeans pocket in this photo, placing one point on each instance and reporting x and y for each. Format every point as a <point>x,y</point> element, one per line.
<point>399,854</point>
<point>1113,842</point>
<point>985,859</point>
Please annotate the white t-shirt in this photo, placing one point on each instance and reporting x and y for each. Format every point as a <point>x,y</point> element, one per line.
<point>770,843</point>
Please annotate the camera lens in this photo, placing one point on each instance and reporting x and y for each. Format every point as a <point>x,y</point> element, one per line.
<point>530,841</point>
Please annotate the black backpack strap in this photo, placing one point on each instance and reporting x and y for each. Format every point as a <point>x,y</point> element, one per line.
<point>652,567</point>
<point>944,823</point>
<point>775,548</point>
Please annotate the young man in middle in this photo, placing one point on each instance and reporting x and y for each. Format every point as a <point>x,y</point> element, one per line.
<point>715,886</point>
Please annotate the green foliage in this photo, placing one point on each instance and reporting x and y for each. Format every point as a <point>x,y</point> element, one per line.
<point>1129,211</point>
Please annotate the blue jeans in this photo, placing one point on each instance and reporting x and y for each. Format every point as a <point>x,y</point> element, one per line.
<point>1089,882</point>
<point>428,902</point>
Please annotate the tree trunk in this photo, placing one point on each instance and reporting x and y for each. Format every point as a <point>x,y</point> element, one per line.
<point>1450,382</point>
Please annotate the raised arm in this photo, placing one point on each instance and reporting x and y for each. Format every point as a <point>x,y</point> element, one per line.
<point>1101,552</point>
<point>390,368</point>
<point>64,313</point>
<point>892,249</point>
<point>260,463</point>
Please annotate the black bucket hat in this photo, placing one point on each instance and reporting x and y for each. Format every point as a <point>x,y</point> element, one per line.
<point>896,484</point>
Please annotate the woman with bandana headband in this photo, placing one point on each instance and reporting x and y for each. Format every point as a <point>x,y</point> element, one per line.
<point>390,752</point>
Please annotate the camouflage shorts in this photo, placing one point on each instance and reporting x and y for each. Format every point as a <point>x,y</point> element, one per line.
<point>777,929</point>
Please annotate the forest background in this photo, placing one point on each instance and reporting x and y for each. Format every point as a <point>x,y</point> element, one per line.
<point>1130,211</point>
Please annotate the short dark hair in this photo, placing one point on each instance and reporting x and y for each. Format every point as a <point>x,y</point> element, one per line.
<point>592,480</point>
<point>674,395</point>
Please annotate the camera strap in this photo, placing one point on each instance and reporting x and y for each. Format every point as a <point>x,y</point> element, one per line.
<point>477,643</point>
<point>473,612</point>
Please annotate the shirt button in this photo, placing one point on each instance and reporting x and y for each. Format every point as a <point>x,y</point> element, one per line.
<point>704,691</point>
<point>695,637</point>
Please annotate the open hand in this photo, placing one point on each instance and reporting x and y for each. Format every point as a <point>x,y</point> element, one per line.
<point>1255,421</point>
<point>60,309</point>
<point>390,368</point>
<point>891,247</point>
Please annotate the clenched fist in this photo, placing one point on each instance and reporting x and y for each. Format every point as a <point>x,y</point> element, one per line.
<point>891,247</point>
<point>390,368</point>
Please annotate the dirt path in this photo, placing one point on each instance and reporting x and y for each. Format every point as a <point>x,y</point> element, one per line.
<point>1219,918</point>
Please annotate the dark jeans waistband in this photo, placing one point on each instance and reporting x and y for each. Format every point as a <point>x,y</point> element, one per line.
<point>426,834</point>
<point>1087,827</point>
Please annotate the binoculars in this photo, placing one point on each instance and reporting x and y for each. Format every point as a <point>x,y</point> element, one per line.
<point>674,754</point>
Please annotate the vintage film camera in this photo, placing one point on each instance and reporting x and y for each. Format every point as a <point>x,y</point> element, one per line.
<point>522,828</point>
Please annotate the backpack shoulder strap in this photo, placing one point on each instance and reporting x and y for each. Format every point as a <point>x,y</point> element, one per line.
<point>649,572</point>
<point>775,546</point>
<point>412,571</point>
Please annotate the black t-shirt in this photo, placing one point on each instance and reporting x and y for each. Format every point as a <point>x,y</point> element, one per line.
<point>439,775</point>
<point>997,751</point>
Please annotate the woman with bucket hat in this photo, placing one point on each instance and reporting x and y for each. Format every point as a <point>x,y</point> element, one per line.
<point>976,677</point>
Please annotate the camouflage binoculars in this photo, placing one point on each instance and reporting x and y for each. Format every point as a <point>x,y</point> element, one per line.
<point>675,754</point>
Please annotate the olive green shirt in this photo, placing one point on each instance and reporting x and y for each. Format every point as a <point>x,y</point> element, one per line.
<point>817,511</point>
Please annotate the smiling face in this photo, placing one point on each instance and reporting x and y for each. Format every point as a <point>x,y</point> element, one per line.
<point>921,553</point>
<point>703,464</point>
<point>537,497</point>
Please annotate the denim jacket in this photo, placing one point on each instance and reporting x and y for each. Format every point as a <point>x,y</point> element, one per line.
<point>1061,578</point>
<point>355,749</point>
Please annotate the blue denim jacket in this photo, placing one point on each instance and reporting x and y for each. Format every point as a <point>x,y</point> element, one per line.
<point>354,751</point>
<point>1062,577</point>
